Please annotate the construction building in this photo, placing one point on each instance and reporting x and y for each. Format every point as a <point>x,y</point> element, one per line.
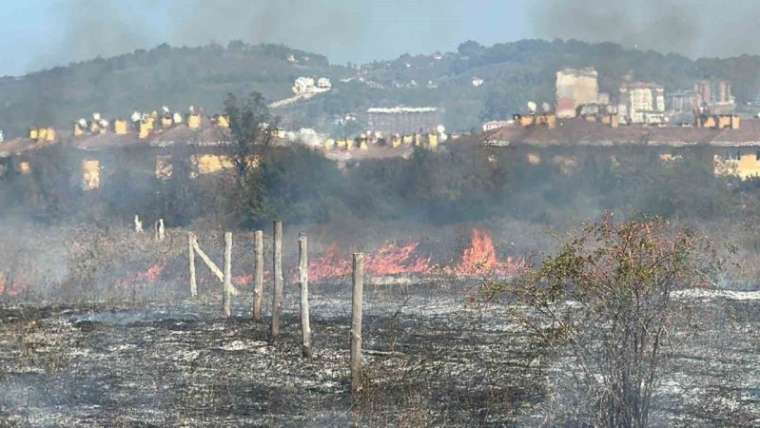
<point>574,88</point>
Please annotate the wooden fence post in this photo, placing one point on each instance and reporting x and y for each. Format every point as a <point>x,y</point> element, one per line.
<point>277,294</point>
<point>191,257</point>
<point>138,224</point>
<point>356,321</point>
<point>228,274</point>
<point>303,277</point>
<point>225,277</point>
<point>258,279</point>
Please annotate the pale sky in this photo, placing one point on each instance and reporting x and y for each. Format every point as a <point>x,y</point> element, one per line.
<point>44,33</point>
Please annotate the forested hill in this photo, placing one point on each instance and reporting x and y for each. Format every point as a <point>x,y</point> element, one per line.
<point>147,79</point>
<point>512,74</point>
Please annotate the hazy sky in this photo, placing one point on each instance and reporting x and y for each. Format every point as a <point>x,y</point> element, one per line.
<point>43,33</point>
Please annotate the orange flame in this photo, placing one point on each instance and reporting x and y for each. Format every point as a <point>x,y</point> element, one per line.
<point>11,288</point>
<point>391,259</point>
<point>331,265</point>
<point>149,276</point>
<point>152,274</point>
<point>242,280</point>
<point>480,259</point>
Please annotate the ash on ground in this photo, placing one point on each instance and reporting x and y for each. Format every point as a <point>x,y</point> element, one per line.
<point>431,359</point>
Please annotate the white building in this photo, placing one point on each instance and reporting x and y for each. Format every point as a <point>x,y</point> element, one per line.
<point>303,85</point>
<point>324,83</point>
<point>642,102</point>
<point>309,86</point>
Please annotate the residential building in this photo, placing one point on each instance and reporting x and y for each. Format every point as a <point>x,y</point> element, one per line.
<point>714,96</point>
<point>642,102</point>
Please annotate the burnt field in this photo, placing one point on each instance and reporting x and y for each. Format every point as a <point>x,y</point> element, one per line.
<point>432,357</point>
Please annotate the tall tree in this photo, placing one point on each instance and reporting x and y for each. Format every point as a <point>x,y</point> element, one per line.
<point>252,131</point>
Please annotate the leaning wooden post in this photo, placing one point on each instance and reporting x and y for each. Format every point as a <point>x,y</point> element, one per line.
<point>356,321</point>
<point>258,279</point>
<point>228,274</point>
<point>277,294</point>
<point>191,258</point>
<point>303,278</point>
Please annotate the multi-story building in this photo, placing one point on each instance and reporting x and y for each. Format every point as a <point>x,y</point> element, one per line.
<point>574,88</point>
<point>714,96</point>
<point>642,102</point>
<point>682,102</point>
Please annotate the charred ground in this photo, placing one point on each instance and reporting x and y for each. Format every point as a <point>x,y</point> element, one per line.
<point>431,360</point>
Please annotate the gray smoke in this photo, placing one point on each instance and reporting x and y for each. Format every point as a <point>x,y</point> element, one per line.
<point>692,28</point>
<point>364,31</point>
<point>88,29</point>
<point>344,30</point>
<point>312,25</point>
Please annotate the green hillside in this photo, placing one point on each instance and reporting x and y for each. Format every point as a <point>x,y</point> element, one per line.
<point>513,74</point>
<point>146,80</point>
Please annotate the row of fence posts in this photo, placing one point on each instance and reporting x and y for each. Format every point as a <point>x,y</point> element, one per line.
<point>159,232</point>
<point>225,277</point>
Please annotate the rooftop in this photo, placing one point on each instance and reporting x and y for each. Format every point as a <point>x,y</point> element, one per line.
<point>581,132</point>
<point>178,134</point>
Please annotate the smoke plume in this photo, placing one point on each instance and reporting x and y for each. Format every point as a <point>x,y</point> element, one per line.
<point>343,30</point>
<point>692,28</point>
<point>87,29</point>
<point>311,25</point>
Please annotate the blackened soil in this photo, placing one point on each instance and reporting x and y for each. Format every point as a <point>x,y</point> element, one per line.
<point>430,360</point>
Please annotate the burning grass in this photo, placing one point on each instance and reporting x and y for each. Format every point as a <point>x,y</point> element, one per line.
<point>479,259</point>
<point>159,359</point>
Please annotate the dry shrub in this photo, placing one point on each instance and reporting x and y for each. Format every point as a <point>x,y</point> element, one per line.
<point>603,302</point>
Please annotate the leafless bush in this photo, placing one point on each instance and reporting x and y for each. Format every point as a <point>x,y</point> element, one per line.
<point>603,302</point>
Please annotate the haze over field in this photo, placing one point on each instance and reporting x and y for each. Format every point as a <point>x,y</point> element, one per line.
<point>379,213</point>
